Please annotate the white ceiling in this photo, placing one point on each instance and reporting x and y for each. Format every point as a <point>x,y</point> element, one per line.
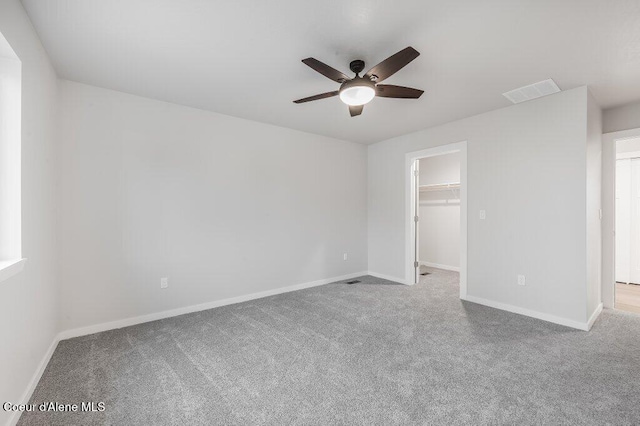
<point>242,57</point>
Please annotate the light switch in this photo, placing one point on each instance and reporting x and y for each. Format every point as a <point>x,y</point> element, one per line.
<point>483,214</point>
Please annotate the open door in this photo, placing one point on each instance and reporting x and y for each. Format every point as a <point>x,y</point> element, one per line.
<point>627,225</point>
<point>634,257</point>
<point>623,220</point>
<point>416,220</point>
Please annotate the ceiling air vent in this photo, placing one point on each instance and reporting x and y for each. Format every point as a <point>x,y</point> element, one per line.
<point>532,91</point>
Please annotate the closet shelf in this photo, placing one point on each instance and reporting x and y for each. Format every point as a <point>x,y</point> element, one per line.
<point>439,186</point>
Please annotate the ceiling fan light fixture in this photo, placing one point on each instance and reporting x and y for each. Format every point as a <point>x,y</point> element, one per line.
<point>357,91</point>
<point>357,95</point>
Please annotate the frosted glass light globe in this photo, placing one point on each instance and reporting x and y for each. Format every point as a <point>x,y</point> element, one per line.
<point>357,95</point>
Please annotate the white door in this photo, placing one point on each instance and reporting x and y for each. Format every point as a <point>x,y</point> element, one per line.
<point>634,258</point>
<point>416,218</point>
<point>623,219</point>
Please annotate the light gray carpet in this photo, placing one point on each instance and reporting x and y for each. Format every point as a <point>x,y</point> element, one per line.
<point>370,353</point>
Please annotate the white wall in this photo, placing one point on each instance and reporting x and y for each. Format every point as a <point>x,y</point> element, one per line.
<point>440,213</point>
<point>28,300</point>
<point>624,117</point>
<point>440,169</point>
<point>526,168</point>
<point>222,206</point>
<point>594,204</point>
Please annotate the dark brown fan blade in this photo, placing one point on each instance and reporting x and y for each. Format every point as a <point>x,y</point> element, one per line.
<point>326,70</point>
<point>355,110</point>
<point>391,91</point>
<point>316,97</point>
<point>392,64</point>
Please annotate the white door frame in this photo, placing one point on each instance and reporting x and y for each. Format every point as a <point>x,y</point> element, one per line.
<point>410,227</point>
<point>415,169</point>
<point>609,211</point>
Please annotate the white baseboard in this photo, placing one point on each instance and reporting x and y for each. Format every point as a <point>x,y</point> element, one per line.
<point>26,395</point>
<point>594,316</point>
<point>440,266</point>
<point>388,277</point>
<point>531,313</point>
<point>112,325</point>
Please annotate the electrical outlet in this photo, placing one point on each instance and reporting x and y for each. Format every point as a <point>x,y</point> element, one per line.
<point>521,280</point>
<point>483,214</point>
<point>164,282</point>
<point>344,256</point>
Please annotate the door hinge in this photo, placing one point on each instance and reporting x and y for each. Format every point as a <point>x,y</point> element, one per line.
<point>416,264</point>
<point>416,218</point>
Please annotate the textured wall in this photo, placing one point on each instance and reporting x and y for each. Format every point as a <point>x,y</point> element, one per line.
<point>527,170</point>
<point>222,206</point>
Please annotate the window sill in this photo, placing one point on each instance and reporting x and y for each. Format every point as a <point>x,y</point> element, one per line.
<point>9,268</point>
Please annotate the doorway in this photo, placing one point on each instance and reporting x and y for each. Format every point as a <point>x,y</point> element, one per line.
<point>621,220</point>
<point>436,220</point>
<point>627,225</point>
<point>438,227</point>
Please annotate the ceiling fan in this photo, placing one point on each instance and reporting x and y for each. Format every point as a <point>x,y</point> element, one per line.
<point>358,91</point>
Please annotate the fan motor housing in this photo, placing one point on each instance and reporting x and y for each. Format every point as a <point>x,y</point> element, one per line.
<point>358,81</point>
<point>356,66</point>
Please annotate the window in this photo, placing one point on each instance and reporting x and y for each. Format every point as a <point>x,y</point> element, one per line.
<point>11,260</point>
